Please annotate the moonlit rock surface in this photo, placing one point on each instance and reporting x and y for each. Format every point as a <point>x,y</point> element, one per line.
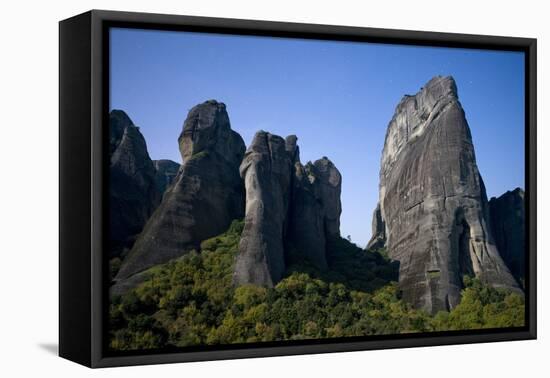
<point>167,171</point>
<point>314,213</point>
<point>133,195</point>
<point>266,173</point>
<point>433,203</point>
<point>508,221</point>
<point>206,196</point>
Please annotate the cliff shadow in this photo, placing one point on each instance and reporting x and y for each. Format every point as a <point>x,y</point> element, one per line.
<point>352,266</point>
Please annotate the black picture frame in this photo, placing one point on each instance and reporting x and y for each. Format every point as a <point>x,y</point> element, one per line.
<point>83,121</point>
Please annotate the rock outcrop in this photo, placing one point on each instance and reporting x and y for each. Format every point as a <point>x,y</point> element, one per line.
<point>266,173</point>
<point>315,208</point>
<point>508,221</point>
<point>133,195</point>
<point>330,187</point>
<point>206,196</point>
<point>166,173</point>
<point>378,239</point>
<point>292,210</point>
<point>433,202</point>
<point>306,239</point>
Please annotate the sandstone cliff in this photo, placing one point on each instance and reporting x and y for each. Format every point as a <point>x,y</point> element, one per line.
<point>292,210</point>
<point>330,186</point>
<point>166,173</point>
<point>315,208</point>
<point>378,239</point>
<point>266,173</point>
<point>133,195</point>
<point>206,195</point>
<point>508,221</point>
<point>306,238</point>
<point>433,205</point>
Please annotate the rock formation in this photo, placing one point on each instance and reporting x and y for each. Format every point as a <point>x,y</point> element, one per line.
<point>306,239</point>
<point>166,173</point>
<point>508,224</point>
<point>433,202</point>
<point>133,195</point>
<point>291,210</point>
<point>266,173</point>
<point>206,195</point>
<point>330,184</point>
<point>314,212</point>
<point>378,239</point>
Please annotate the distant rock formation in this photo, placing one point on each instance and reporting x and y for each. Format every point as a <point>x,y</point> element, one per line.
<point>378,239</point>
<point>166,173</point>
<point>508,221</point>
<point>291,210</point>
<point>433,203</point>
<point>206,196</point>
<point>133,195</point>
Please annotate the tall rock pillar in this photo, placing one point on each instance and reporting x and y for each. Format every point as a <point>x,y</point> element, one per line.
<point>433,203</point>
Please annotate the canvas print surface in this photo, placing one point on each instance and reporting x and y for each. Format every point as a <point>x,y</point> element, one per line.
<point>273,190</point>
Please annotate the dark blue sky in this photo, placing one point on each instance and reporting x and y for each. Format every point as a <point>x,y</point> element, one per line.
<point>337,97</point>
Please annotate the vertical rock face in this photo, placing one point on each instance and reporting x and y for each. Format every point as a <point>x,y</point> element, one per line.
<point>305,239</point>
<point>378,239</point>
<point>433,202</point>
<point>330,184</point>
<point>291,210</point>
<point>266,173</point>
<point>508,221</point>
<point>133,195</point>
<point>166,173</point>
<point>206,195</point>
<point>292,149</point>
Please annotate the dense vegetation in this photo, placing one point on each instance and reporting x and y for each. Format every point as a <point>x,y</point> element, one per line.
<point>190,301</point>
